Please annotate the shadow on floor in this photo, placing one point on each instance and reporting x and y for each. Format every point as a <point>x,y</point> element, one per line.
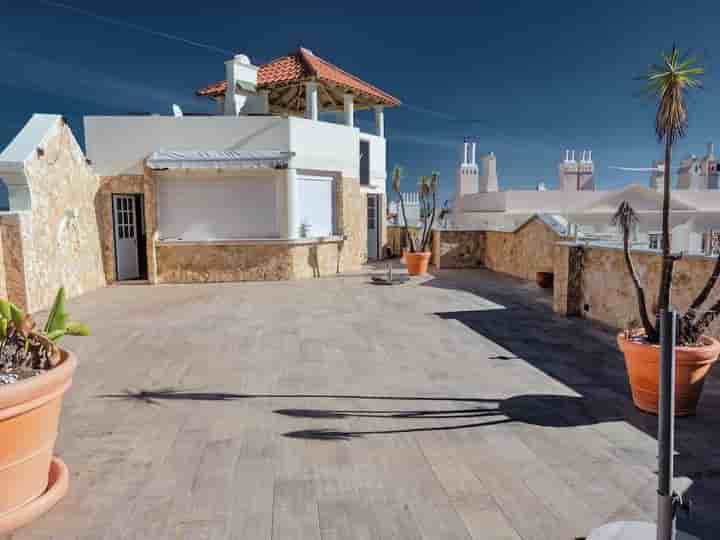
<point>537,409</point>
<point>584,357</point>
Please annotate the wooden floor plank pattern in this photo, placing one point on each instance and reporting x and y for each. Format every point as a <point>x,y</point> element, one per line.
<point>452,407</point>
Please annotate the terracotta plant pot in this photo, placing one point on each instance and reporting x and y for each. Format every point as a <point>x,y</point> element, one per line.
<point>29,417</point>
<point>642,361</point>
<point>417,263</point>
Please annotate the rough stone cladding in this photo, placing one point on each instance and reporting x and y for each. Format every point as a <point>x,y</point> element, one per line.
<point>461,249</point>
<point>126,184</point>
<point>351,208</point>
<point>608,295</point>
<point>13,265</point>
<point>522,253</point>
<point>59,236</point>
<point>195,263</point>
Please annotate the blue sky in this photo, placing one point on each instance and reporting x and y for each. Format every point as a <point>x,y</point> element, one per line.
<point>525,79</point>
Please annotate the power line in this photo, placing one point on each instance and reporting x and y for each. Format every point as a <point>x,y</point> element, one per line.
<point>137,27</point>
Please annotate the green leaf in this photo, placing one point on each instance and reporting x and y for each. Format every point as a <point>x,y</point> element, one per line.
<point>17,315</point>
<point>77,329</point>
<point>57,318</point>
<point>5,309</point>
<point>55,335</point>
<point>3,328</point>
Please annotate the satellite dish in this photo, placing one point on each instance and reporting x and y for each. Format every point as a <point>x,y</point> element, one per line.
<point>177,111</point>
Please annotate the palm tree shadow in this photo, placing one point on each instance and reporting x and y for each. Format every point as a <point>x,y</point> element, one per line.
<point>544,410</point>
<point>547,410</point>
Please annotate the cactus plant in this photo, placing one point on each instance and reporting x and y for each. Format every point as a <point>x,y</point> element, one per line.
<point>24,350</point>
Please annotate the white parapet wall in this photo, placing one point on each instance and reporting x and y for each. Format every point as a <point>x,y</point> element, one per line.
<point>118,145</point>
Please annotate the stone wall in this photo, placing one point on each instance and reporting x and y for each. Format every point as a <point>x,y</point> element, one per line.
<point>351,208</point>
<point>606,294</point>
<point>522,253</point>
<point>207,262</point>
<point>129,184</point>
<point>12,285</point>
<point>58,241</point>
<point>461,249</point>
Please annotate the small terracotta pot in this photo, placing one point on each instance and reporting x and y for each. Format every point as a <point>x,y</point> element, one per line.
<point>417,263</point>
<point>29,417</point>
<point>642,361</point>
<point>544,279</point>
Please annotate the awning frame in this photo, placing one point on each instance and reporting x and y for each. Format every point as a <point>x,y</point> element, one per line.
<point>219,159</point>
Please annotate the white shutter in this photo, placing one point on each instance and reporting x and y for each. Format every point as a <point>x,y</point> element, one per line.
<point>217,209</point>
<point>316,204</point>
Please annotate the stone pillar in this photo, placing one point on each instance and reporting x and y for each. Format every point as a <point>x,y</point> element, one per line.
<point>311,100</point>
<point>380,121</point>
<point>568,275</point>
<point>436,248</point>
<point>292,222</point>
<point>348,110</point>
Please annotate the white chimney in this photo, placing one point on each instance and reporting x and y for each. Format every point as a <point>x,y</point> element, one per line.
<point>241,78</point>
<point>465,152</point>
<point>567,155</point>
<point>472,159</point>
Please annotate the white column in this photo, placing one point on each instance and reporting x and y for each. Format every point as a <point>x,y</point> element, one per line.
<point>292,224</point>
<point>380,121</point>
<point>349,109</point>
<point>311,100</point>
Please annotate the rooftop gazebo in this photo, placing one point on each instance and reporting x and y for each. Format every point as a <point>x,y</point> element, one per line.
<point>302,84</point>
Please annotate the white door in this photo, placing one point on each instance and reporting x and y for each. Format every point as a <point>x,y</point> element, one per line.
<point>126,234</point>
<point>372,226</point>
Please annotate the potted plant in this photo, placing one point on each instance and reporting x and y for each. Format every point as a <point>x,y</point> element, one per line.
<point>696,352</point>
<point>34,375</point>
<point>417,257</point>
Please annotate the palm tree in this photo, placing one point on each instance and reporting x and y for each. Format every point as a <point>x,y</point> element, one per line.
<point>669,82</point>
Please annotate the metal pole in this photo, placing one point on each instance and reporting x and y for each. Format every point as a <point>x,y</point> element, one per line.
<point>666,427</point>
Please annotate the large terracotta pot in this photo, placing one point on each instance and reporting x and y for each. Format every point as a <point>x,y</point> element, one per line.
<point>29,417</point>
<point>642,361</point>
<point>417,263</point>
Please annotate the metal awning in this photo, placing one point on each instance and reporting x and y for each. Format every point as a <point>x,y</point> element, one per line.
<point>219,159</point>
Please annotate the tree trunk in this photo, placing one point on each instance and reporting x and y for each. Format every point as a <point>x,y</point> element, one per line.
<point>688,333</point>
<point>666,279</point>
<point>650,331</point>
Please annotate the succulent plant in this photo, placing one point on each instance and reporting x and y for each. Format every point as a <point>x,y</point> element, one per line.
<point>22,347</point>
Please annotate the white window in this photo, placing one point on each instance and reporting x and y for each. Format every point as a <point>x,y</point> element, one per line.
<point>317,206</point>
<point>217,208</point>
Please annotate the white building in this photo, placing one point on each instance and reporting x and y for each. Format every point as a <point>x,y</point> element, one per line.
<point>587,212</point>
<point>263,171</point>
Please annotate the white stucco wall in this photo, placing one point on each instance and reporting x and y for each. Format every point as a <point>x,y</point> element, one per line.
<point>118,144</point>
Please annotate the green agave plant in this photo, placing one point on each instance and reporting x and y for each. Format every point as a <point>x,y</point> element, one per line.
<point>18,328</point>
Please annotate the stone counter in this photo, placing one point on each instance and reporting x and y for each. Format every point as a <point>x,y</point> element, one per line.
<point>247,260</point>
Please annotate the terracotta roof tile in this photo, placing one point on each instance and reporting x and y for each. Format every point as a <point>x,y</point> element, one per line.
<point>303,65</point>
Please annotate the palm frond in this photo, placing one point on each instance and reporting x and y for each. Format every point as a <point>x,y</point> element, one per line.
<point>669,81</point>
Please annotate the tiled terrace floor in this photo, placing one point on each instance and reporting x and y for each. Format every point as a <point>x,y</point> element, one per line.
<point>455,408</point>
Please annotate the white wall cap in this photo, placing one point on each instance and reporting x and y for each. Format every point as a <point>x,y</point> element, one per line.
<point>24,145</point>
